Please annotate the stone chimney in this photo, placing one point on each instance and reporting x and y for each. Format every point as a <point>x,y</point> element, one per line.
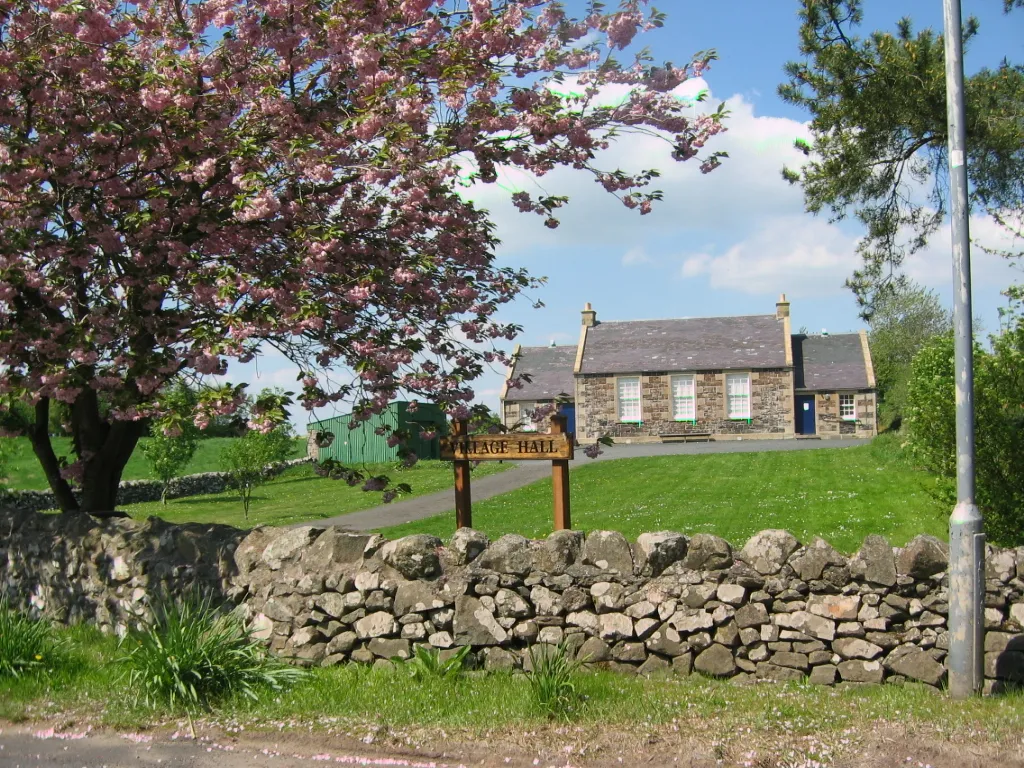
<point>589,316</point>
<point>782,307</point>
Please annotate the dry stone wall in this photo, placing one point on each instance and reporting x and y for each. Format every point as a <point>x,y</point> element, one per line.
<point>775,609</point>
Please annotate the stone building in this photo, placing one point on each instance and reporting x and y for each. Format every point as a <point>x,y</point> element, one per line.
<point>714,378</point>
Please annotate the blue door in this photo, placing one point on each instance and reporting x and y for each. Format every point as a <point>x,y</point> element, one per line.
<point>805,415</point>
<point>569,411</point>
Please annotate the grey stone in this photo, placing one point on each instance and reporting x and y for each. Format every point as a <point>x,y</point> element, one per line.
<point>698,595</point>
<point>363,656</point>
<point>607,597</point>
<point>643,628</point>
<point>780,674</point>
<point>655,666</point>
<point>732,594</point>
<point>751,615</point>
<point>810,562</point>
<point>823,675</point>
<point>575,599</point>
<point>808,623</point>
<point>287,545</point>
<point>376,625</point>
<point>609,551</point>
<point>415,557</point>
<point>441,640</point>
<point>332,548</point>
<point>707,552</point>
<point>874,562</point>
<point>997,642</point>
<point>766,552</point>
<point>838,607</point>
<point>585,620</point>
<point>546,602</point>
<point>716,660</point>
<point>558,551</point>
<point>642,610</point>
<point>666,641</point>
<point>416,597</point>
<point>789,659</point>
<point>261,627</point>
<point>629,652</point>
<point>499,659</point>
<point>416,631</point>
<point>728,634</point>
<point>526,631</point>
<point>919,665</point>
<point>509,554</point>
<point>924,556</point>
<point>388,649</point>
<point>550,635</point>
<point>466,545</point>
<point>615,626</point>
<point>659,550</point>
<point>342,643</point>
<point>305,636</point>
<point>511,605</point>
<point>854,648</point>
<point>594,650</point>
<point>475,625</point>
<point>857,671</point>
<point>682,665</point>
<point>691,621</point>
<point>332,604</point>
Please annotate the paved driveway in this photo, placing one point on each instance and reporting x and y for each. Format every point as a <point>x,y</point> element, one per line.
<point>527,472</point>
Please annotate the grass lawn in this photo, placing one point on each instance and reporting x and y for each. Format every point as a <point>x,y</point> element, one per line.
<point>298,495</point>
<point>24,472</point>
<point>840,494</point>
<point>498,708</point>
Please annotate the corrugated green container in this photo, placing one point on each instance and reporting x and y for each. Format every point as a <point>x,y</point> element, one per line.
<point>363,446</point>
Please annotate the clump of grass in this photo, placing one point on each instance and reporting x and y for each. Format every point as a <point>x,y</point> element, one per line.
<point>426,664</point>
<point>552,681</point>
<point>27,646</point>
<point>190,656</point>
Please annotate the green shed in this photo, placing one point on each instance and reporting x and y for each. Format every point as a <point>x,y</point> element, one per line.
<point>363,445</point>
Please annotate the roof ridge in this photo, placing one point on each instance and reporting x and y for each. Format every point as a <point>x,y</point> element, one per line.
<point>663,319</point>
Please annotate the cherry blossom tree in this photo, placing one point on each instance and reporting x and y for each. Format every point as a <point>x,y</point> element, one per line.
<point>184,182</point>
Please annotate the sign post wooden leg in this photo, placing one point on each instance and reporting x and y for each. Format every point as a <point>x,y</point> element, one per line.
<point>463,496</point>
<point>560,480</point>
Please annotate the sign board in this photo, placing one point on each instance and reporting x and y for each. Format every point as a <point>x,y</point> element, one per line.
<point>517,446</point>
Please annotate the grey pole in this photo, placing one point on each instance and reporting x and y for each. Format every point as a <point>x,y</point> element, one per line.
<point>966,539</point>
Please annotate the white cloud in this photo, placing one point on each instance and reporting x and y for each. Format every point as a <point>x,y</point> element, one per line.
<point>796,255</point>
<point>635,257</point>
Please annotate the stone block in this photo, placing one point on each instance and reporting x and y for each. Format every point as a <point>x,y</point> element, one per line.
<point>466,545</point>
<point>874,562</point>
<point>857,671</point>
<point>924,556</point>
<point>388,649</point>
<point>716,660</point>
<point>766,552</point>
<point>768,671</point>
<point>823,675</point>
<point>837,607</point>
<point>659,550</point>
<point>378,624</point>
<point>615,626</point>
<point>855,648</point>
<point>707,552</point>
<point>609,551</point>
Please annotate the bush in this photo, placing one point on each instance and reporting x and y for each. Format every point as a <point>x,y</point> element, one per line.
<point>250,461</point>
<point>190,656</point>
<point>552,680</point>
<point>426,664</point>
<point>27,646</point>
<point>999,428</point>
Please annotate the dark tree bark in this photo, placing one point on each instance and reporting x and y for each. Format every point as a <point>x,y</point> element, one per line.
<point>39,436</point>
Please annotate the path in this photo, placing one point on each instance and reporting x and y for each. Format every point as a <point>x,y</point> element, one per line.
<point>530,471</point>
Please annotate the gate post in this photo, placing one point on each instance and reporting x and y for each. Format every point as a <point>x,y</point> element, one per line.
<point>560,480</point>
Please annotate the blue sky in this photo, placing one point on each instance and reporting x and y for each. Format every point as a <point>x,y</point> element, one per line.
<point>730,242</point>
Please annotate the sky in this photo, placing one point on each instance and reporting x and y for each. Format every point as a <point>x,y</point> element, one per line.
<point>730,242</point>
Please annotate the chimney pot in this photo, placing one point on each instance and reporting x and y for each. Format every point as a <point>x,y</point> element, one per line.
<point>782,307</point>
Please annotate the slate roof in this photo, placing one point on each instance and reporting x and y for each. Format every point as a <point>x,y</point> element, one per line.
<point>706,343</point>
<point>829,362</point>
<point>550,370</point>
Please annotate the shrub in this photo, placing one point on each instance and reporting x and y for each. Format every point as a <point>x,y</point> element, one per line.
<point>552,680</point>
<point>191,655</point>
<point>427,664</point>
<point>250,461</point>
<point>27,646</point>
<point>999,428</point>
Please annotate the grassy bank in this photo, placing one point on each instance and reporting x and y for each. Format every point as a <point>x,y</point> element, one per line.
<point>840,494</point>
<point>92,689</point>
<point>298,495</point>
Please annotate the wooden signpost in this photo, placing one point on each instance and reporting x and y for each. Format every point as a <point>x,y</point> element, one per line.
<point>556,446</point>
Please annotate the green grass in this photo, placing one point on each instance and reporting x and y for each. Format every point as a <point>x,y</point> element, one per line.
<point>357,697</point>
<point>840,494</point>
<point>24,472</point>
<point>298,496</point>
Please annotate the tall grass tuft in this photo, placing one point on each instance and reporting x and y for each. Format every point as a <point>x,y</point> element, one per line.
<point>27,646</point>
<point>426,664</point>
<point>190,656</point>
<point>552,680</point>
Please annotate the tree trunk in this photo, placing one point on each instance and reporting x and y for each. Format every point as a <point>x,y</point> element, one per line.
<point>104,448</point>
<point>39,436</point>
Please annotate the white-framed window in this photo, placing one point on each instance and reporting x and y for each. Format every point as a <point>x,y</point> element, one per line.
<point>629,398</point>
<point>847,408</point>
<point>684,406</point>
<point>737,395</point>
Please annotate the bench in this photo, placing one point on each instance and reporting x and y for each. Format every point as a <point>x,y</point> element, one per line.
<point>685,437</point>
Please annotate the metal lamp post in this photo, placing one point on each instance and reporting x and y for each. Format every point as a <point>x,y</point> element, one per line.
<point>966,539</point>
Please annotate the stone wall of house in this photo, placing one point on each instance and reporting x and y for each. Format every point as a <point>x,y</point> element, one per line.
<point>515,415</point>
<point>774,609</point>
<point>138,491</point>
<point>771,406</point>
<point>830,425</point>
